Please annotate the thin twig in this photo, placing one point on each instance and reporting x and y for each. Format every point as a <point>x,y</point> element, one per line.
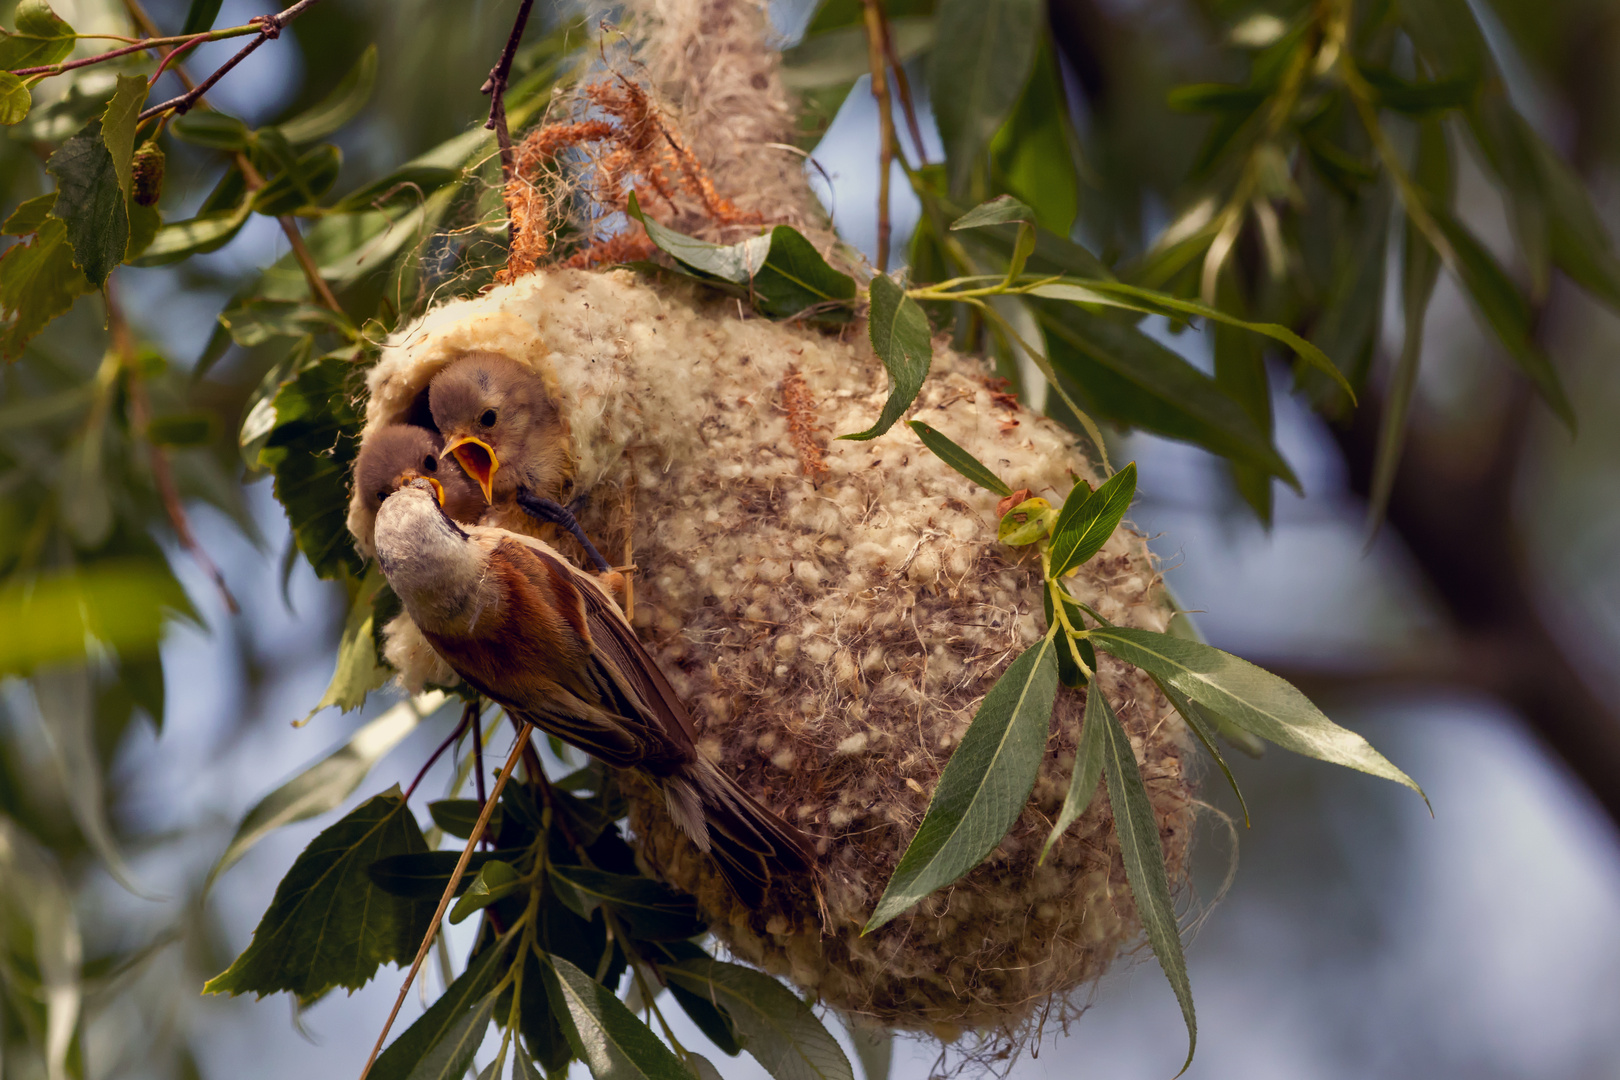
<point>880,90</point>
<point>187,40</point>
<point>478,756</point>
<point>140,408</point>
<point>495,87</point>
<point>901,83</point>
<point>271,27</point>
<point>174,54</point>
<point>301,253</point>
<point>437,754</point>
<point>450,891</point>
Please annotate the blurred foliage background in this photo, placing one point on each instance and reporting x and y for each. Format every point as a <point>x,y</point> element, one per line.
<point>1473,638</point>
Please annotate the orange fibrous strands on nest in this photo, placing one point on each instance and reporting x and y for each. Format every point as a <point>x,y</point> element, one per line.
<point>631,147</point>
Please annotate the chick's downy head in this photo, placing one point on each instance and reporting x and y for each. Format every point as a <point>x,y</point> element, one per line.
<point>395,455</point>
<point>501,426</point>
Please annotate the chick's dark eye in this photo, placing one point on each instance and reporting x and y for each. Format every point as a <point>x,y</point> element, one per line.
<point>382,493</point>
<point>488,419</point>
<point>430,463</point>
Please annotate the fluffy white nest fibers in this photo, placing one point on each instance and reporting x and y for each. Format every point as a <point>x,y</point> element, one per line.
<point>832,612</point>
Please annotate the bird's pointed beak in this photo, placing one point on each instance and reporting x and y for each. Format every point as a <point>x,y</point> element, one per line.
<point>478,459</point>
<point>406,477</point>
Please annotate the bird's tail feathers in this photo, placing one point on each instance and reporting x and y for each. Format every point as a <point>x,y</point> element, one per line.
<point>748,841</point>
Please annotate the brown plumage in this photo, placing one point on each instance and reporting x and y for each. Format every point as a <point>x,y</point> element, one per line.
<point>502,427</point>
<point>527,629</point>
<point>402,452</point>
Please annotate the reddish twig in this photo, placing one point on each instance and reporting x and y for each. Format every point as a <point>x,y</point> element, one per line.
<point>478,757</point>
<point>140,409</point>
<point>270,29</point>
<point>173,54</point>
<point>901,83</point>
<point>437,754</point>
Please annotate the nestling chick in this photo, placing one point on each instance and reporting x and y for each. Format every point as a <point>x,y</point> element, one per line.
<point>527,629</point>
<point>501,426</point>
<point>499,423</point>
<point>402,452</point>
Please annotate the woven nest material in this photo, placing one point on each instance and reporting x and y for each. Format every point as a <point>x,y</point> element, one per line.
<point>832,612</point>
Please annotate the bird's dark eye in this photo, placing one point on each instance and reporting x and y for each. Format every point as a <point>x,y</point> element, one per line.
<point>382,493</point>
<point>430,463</point>
<point>488,419</point>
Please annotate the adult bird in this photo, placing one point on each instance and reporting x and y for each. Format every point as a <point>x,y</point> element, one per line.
<point>501,426</point>
<point>399,453</point>
<point>527,629</point>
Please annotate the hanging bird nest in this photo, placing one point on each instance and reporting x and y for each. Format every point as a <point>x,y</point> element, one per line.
<point>832,612</point>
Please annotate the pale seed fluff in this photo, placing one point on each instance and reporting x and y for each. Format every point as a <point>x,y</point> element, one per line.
<point>832,611</point>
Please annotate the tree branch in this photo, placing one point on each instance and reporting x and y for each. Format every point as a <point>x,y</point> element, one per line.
<point>495,87</point>
<point>270,28</point>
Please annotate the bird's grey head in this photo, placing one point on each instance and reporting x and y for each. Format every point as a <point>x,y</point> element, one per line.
<point>433,565</point>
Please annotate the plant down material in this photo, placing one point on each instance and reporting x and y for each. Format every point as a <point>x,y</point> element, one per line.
<point>832,612</point>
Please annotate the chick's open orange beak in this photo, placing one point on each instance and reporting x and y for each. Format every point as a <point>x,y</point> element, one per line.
<point>477,458</point>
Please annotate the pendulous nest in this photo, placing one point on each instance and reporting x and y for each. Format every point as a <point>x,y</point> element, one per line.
<point>831,611</point>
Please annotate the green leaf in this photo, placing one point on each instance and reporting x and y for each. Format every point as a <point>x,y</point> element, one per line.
<point>496,880</point>
<point>1151,302</point>
<point>1088,763</point>
<point>1420,271</point>
<point>1089,518</point>
<point>118,129</point>
<point>1138,832</point>
<point>1505,310</point>
<point>15,99</point>
<point>256,321</point>
<point>423,875</point>
<point>200,17</point>
<point>122,605</point>
<point>447,1018</point>
<point>328,924</point>
<point>337,108</point>
<point>603,1033</point>
<point>1126,376</point>
<point>38,282</point>
<point>784,274</point>
<point>1240,370</point>
<point>1217,98</point>
<point>984,785</point>
<point>41,38</point>
<point>900,336</point>
<point>301,185</point>
<point>40,932</point>
<point>194,236</point>
<point>30,215</point>
<point>959,459</point>
<point>458,817</point>
<point>838,57</point>
<point>1248,696</point>
<point>311,447</point>
<point>776,1027</point>
<point>215,130</point>
<point>324,785</point>
<point>998,211</point>
<point>452,1055</point>
<point>182,430</point>
<point>650,909</point>
<point>1420,99</point>
<point>1035,153</point>
<point>405,186</point>
<point>357,672</point>
<point>981,58</point>
<point>68,721</point>
<point>1200,723</point>
<point>874,1046</point>
<point>90,203</point>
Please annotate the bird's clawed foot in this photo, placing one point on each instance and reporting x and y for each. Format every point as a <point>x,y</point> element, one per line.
<point>556,514</point>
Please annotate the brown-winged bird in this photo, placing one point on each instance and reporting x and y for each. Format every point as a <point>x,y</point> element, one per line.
<point>402,452</point>
<point>501,426</point>
<point>527,629</point>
